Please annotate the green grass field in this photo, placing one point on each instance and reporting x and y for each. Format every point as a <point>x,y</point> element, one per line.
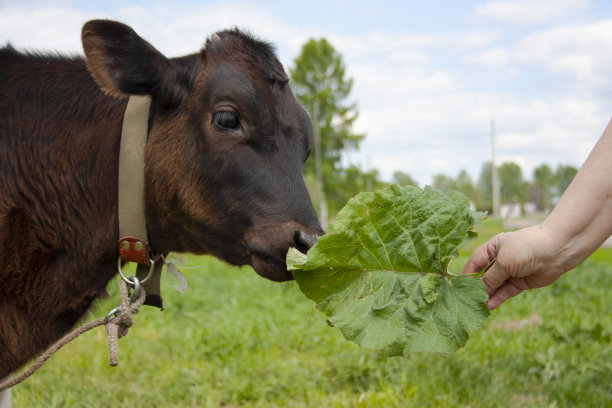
<point>234,339</point>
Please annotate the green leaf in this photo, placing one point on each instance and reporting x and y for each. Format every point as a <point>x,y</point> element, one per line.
<point>295,259</point>
<point>380,274</point>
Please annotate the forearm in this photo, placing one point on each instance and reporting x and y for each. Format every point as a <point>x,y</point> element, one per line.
<point>582,220</point>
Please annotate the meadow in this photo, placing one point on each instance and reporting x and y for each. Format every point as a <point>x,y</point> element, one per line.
<point>234,339</point>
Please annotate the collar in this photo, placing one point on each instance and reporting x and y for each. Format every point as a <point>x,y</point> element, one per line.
<point>133,241</point>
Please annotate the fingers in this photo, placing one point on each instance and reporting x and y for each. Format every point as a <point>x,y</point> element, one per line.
<point>481,257</point>
<point>498,281</point>
<point>494,278</point>
<point>511,288</point>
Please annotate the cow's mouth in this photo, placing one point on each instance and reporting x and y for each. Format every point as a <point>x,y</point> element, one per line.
<point>268,264</point>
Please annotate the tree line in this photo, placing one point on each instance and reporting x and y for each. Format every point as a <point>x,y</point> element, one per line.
<point>318,76</point>
<point>544,189</point>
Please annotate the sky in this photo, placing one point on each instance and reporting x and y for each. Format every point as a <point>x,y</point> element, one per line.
<point>429,77</point>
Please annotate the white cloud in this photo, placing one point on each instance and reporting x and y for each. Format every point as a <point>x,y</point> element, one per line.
<point>581,51</point>
<point>175,30</point>
<point>425,99</point>
<point>425,135</point>
<point>48,28</point>
<point>530,11</point>
<point>409,47</point>
<point>181,31</point>
<point>424,119</point>
<point>494,58</point>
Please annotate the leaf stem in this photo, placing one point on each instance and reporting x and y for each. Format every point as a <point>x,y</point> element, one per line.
<point>485,269</point>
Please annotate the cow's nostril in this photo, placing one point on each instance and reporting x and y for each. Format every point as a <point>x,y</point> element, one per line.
<point>304,241</point>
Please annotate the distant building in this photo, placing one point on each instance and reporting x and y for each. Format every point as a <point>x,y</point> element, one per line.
<point>530,208</point>
<point>516,210</point>
<point>510,211</point>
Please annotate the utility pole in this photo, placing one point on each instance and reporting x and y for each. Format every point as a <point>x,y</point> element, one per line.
<point>318,170</point>
<point>494,175</point>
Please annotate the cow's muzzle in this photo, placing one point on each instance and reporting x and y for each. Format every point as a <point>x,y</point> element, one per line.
<point>303,240</point>
<point>268,246</point>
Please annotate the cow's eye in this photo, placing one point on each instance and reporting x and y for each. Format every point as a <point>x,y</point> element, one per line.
<point>226,120</point>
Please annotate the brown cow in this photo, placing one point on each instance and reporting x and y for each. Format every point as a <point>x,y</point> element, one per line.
<point>226,145</point>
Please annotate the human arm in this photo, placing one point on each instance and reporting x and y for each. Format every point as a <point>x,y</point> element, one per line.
<point>536,256</point>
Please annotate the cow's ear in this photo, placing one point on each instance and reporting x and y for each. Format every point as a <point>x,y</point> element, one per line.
<point>123,64</point>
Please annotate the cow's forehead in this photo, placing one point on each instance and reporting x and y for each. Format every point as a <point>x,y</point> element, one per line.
<point>225,80</point>
<point>230,80</point>
<point>245,50</point>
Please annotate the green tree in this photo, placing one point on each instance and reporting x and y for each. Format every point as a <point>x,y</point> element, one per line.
<point>404,179</point>
<point>562,179</point>
<point>541,190</point>
<point>465,185</point>
<point>319,80</point>
<point>443,183</point>
<point>513,188</point>
<point>485,186</point>
<point>349,182</point>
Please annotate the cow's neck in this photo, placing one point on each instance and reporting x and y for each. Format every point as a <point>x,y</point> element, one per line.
<point>63,252</point>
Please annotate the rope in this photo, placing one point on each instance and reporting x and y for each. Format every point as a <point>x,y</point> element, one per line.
<point>115,328</point>
<point>119,326</point>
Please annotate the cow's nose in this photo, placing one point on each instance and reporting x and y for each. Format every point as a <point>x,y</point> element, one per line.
<point>304,241</point>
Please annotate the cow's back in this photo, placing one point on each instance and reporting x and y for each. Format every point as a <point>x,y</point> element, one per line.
<point>59,146</point>
<point>57,130</point>
<point>48,100</point>
<point>58,157</point>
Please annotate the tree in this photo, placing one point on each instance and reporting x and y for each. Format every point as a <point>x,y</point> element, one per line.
<point>404,179</point>
<point>349,182</point>
<point>541,190</point>
<point>319,80</point>
<point>465,185</point>
<point>443,183</point>
<point>485,186</point>
<point>562,179</point>
<point>513,188</point>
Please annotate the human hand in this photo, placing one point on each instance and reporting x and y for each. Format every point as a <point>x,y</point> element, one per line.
<point>524,259</point>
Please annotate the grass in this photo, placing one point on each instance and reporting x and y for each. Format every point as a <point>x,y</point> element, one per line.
<point>236,340</point>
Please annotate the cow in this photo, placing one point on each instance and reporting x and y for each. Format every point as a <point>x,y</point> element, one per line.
<point>224,157</point>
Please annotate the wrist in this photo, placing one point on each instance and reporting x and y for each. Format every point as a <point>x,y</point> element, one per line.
<point>563,251</point>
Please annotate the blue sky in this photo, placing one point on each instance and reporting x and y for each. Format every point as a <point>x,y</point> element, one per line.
<point>429,76</point>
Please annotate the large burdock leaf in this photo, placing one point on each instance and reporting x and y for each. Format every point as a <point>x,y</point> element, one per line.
<point>380,274</point>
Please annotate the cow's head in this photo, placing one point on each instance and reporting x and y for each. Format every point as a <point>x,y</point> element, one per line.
<point>226,146</point>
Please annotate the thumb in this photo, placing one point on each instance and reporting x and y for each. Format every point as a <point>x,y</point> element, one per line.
<point>481,257</point>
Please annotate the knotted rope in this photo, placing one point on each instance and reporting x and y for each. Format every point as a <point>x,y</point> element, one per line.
<point>116,328</point>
